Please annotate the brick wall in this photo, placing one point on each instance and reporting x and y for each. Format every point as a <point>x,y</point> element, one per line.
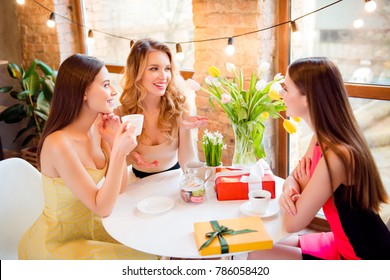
<point>38,41</point>
<point>219,18</point>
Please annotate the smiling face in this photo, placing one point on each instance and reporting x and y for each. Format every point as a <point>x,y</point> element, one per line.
<point>157,74</point>
<point>295,101</point>
<point>100,94</point>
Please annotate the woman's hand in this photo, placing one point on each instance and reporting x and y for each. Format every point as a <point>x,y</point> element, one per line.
<point>291,193</point>
<point>140,161</point>
<point>108,127</point>
<point>125,139</point>
<point>301,173</point>
<point>194,122</point>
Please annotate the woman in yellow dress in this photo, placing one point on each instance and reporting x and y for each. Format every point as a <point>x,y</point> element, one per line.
<point>75,154</point>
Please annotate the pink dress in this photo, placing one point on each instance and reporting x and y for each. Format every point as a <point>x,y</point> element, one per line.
<point>355,233</point>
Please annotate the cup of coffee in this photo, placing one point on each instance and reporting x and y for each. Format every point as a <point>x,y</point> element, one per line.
<point>199,169</point>
<point>259,200</point>
<point>135,119</point>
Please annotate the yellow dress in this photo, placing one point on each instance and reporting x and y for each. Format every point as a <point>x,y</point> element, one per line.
<point>67,229</point>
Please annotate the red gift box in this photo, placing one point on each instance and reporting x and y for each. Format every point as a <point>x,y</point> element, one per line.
<point>229,187</point>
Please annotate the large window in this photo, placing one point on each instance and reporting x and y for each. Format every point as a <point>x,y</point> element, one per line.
<point>358,41</point>
<point>163,20</point>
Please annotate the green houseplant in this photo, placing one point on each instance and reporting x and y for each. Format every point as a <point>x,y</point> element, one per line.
<point>34,93</point>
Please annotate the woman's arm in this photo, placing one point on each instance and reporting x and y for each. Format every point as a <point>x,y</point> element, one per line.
<point>317,192</point>
<point>59,152</point>
<point>292,187</point>
<point>187,152</point>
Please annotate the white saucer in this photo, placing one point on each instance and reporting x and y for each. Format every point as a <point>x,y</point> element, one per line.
<point>155,204</point>
<point>272,209</point>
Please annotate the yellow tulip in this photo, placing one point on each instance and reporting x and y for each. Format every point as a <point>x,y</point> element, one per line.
<point>297,119</point>
<point>289,127</point>
<point>274,94</point>
<point>214,71</point>
<point>264,115</point>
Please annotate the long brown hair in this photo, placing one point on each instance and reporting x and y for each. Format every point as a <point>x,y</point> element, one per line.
<point>172,102</point>
<point>335,125</point>
<point>75,75</point>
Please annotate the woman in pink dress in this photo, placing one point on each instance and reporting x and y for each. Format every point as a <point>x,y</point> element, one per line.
<point>337,173</point>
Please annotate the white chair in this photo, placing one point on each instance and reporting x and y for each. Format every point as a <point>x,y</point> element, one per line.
<point>21,202</point>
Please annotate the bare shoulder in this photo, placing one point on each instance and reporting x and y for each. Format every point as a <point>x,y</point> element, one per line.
<point>57,142</point>
<point>338,167</point>
<point>56,147</point>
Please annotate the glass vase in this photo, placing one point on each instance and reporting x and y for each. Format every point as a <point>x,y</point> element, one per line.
<point>244,148</point>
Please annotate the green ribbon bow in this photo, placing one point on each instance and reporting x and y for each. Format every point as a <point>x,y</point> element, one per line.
<point>220,231</point>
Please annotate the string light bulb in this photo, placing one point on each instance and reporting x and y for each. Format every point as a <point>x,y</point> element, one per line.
<point>229,50</point>
<point>179,52</point>
<point>294,26</point>
<point>20,2</point>
<point>90,39</point>
<point>51,22</point>
<point>370,6</point>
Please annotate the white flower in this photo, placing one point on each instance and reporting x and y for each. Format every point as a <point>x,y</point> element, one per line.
<point>279,77</point>
<point>276,86</point>
<point>230,67</point>
<point>192,84</point>
<point>261,84</point>
<point>264,66</point>
<point>215,82</point>
<point>225,98</point>
<point>208,80</point>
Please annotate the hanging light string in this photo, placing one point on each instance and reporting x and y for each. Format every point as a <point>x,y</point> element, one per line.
<point>291,22</point>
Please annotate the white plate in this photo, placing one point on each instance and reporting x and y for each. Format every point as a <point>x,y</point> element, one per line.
<point>155,204</point>
<point>272,209</point>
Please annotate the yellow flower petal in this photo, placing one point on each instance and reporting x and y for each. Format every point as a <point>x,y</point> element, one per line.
<point>214,71</point>
<point>274,94</point>
<point>264,115</point>
<point>297,119</point>
<point>289,127</point>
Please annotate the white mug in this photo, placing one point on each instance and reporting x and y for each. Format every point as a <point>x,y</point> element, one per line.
<point>135,119</point>
<point>259,200</point>
<point>202,171</point>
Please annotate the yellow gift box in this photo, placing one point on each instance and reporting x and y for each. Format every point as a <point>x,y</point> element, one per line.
<point>258,239</point>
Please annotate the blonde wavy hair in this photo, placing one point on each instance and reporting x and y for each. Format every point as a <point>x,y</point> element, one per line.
<point>172,102</point>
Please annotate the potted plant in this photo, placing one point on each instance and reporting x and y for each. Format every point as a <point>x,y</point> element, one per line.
<point>34,93</point>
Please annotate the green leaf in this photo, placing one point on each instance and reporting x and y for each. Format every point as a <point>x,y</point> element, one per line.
<point>20,95</point>
<point>28,139</point>
<point>5,89</point>
<point>45,68</point>
<point>42,104</point>
<point>30,69</point>
<point>13,114</point>
<point>14,71</point>
<point>48,88</point>
<point>20,133</point>
<point>33,84</point>
<point>41,114</point>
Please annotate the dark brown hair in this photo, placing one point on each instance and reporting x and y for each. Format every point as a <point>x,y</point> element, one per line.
<point>335,125</point>
<point>75,75</point>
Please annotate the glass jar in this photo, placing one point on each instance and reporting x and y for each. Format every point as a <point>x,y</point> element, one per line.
<point>192,189</point>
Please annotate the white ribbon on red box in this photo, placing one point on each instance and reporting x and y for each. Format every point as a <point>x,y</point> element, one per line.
<point>256,172</point>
